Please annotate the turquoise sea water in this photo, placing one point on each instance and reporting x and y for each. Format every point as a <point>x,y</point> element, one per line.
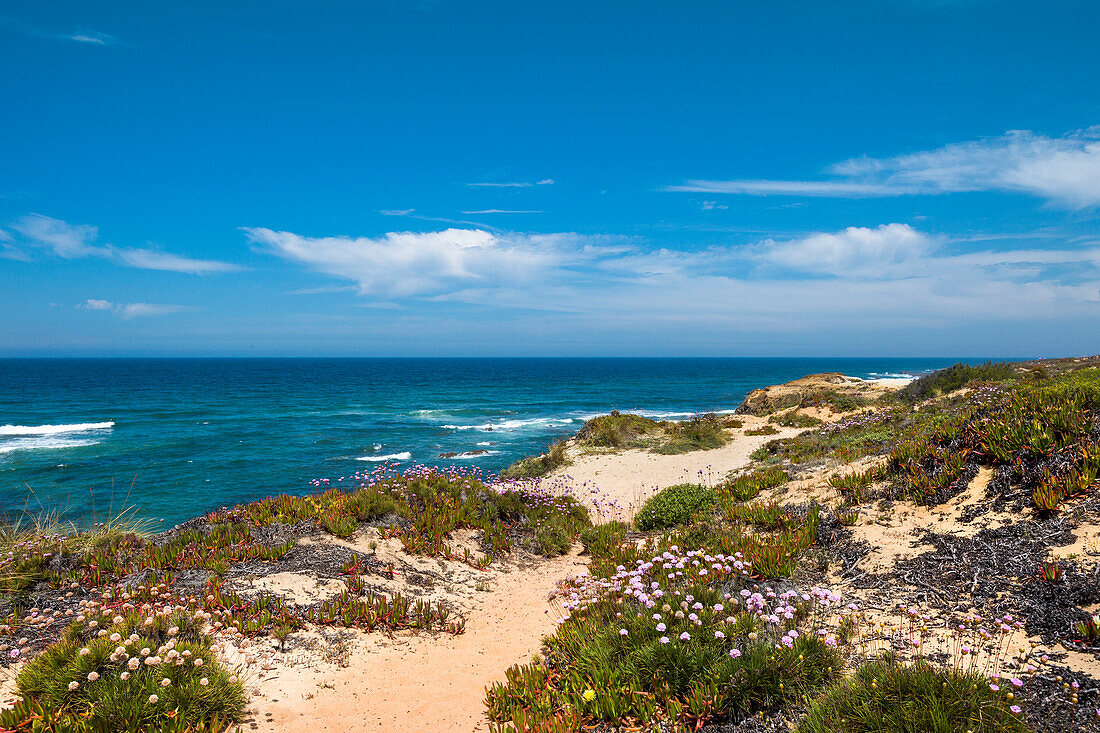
<point>177,437</point>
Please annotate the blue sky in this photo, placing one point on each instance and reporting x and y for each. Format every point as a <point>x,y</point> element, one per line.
<point>896,177</point>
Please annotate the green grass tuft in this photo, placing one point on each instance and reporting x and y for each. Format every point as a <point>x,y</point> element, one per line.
<point>887,697</point>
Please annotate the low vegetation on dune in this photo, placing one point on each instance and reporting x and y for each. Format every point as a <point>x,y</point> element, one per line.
<point>833,392</point>
<point>954,378</point>
<point>540,465</point>
<point>118,618</point>
<point>715,609</point>
<point>707,616</point>
<point>884,696</point>
<point>624,430</point>
<point>618,431</point>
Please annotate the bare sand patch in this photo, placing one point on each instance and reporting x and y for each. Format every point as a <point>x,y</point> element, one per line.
<point>895,534</point>
<point>413,682</point>
<point>625,479</point>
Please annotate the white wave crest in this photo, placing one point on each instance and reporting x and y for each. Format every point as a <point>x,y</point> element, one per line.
<point>406,456</point>
<point>43,443</point>
<point>506,425</point>
<point>54,429</point>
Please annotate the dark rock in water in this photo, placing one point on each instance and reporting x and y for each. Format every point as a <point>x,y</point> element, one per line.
<point>467,454</point>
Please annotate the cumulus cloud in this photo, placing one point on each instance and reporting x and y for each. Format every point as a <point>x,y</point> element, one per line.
<point>400,264</point>
<point>886,277</point>
<point>93,304</point>
<point>73,241</point>
<point>1063,170</point>
<point>854,250</point>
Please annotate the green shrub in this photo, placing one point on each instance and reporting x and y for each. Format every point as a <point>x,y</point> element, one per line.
<point>674,505</point>
<point>540,465</point>
<point>702,432</point>
<point>764,430</point>
<point>635,664</point>
<point>99,689</point>
<point>795,419</point>
<point>887,697</point>
<point>617,430</point>
<point>746,487</point>
<point>952,378</point>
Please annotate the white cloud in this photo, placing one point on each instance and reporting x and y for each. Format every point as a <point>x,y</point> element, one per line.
<point>503,211</point>
<point>79,35</point>
<point>93,37</point>
<point>514,184</point>
<point>138,310</point>
<point>881,281</point>
<point>836,189</point>
<point>1063,170</point>
<point>711,205</point>
<point>853,250</point>
<point>66,240</point>
<point>133,310</point>
<point>401,264</point>
<point>396,212</point>
<point>72,241</point>
<point>149,259</point>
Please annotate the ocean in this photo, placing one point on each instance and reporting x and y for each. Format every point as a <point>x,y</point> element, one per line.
<point>177,437</point>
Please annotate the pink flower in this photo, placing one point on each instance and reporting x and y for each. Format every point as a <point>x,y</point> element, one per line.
<point>685,636</point>
<point>735,653</point>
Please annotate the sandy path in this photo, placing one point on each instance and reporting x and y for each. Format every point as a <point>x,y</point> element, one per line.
<point>420,683</point>
<point>629,477</point>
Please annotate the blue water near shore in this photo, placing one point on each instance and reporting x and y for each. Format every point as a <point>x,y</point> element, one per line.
<point>177,437</point>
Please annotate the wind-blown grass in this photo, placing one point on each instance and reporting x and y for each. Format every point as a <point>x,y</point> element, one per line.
<point>888,697</point>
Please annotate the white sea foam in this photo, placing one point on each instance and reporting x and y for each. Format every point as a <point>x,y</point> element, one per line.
<point>43,443</point>
<point>406,456</point>
<point>506,425</point>
<point>54,429</point>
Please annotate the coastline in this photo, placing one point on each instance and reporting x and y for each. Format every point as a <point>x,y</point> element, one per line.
<point>348,679</point>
